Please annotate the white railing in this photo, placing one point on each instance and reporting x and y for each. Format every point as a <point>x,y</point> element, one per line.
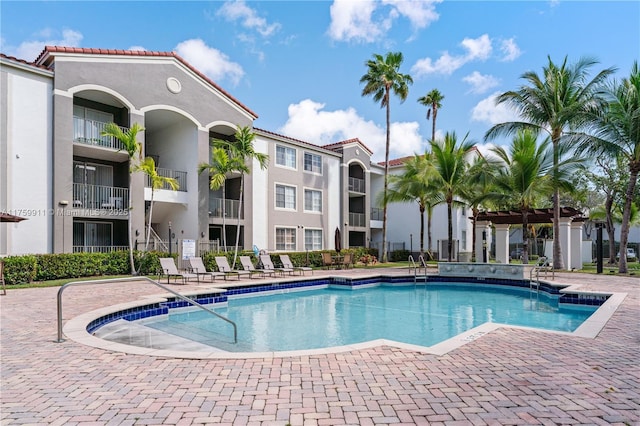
<point>356,185</point>
<point>181,177</point>
<point>356,219</point>
<point>89,132</point>
<point>231,208</point>
<point>98,249</point>
<point>99,197</point>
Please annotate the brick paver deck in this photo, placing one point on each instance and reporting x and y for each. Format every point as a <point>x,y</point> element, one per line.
<point>508,376</point>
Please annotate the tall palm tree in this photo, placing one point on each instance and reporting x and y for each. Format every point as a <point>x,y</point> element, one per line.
<point>415,185</point>
<point>433,102</point>
<point>527,176</point>
<point>554,103</point>
<point>220,166</point>
<point>616,132</point>
<point>129,140</point>
<point>148,167</point>
<point>242,151</point>
<point>450,165</point>
<point>382,78</point>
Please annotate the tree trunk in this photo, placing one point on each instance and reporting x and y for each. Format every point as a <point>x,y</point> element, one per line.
<point>634,168</point>
<point>422,230</point>
<point>433,123</point>
<point>475,213</point>
<point>450,229</point>
<point>525,237</point>
<point>558,263</point>
<point>235,254</point>
<point>608,207</point>
<point>224,217</point>
<point>133,265</point>
<point>430,247</point>
<point>386,181</point>
<point>146,244</point>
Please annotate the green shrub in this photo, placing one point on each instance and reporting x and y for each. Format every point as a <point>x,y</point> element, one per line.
<point>399,255</point>
<point>117,263</point>
<point>19,269</point>
<point>148,263</point>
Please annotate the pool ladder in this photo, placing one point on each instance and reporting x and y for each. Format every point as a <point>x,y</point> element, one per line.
<point>417,268</point>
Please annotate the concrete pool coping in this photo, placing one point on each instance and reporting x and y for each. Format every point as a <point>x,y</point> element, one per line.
<point>76,328</point>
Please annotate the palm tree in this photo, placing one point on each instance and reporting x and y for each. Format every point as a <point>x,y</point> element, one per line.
<point>130,144</point>
<point>481,174</point>
<point>221,164</point>
<point>433,102</point>
<point>450,164</point>
<point>148,167</point>
<point>415,185</point>
<point>616,132</point>
<point>382,78</point>
<point>554,103</point>
<point>242,150</point>
<point>527,176</point>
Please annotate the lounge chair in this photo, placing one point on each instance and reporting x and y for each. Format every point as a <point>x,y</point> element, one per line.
<point>267,264</point>
<point>247,264</point>
<point>223,266</point>
<point>327,260</point>
<point>169,269</point>
<point>197,267</point>
<point>286,262</point>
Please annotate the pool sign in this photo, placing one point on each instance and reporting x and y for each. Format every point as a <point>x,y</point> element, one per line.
<point>188,249</point>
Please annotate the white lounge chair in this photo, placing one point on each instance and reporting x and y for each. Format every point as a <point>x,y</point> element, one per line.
<point>286,262</point>
<point>223,266</point>
<point>248,266</point>
<point>169,269</point>
<point>197,267</point>
<point>267,264</point>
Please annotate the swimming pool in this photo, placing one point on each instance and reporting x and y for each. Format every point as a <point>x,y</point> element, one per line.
<point>420,315</point>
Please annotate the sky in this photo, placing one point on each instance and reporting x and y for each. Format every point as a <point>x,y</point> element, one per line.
<point>298,64</point>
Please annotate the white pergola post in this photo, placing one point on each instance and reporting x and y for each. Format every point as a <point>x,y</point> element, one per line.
<point>565,241</point>
<point>482,226</point>
<point>502,242</point>
<point>576,245</point>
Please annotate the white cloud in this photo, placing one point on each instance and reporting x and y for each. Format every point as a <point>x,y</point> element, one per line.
<point>369,21</point>
<point>478,49</point>
<point>309,122</point>
<point>480,83</point>
<point>510,50</point>
<point>138,48</point>
<point>211,62</point>
<point>29,50</point>
<point>487,111</point>
<point>239,11</point>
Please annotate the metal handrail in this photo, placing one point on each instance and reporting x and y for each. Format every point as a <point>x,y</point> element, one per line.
<point>115,280</point>
<point>416,268</point>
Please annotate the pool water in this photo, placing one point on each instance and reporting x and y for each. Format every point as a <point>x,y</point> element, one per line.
<point>420,315</point>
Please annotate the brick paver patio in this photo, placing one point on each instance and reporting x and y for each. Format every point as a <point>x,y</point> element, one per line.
<point>508,376</point>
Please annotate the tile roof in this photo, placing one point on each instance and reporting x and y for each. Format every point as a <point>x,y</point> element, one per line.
<point>333,146</point>
<point>43,60</point>
<point>299,141</point>
<point>23,62</point>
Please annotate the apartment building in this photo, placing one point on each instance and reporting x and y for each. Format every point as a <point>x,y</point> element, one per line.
<point>74,184</point>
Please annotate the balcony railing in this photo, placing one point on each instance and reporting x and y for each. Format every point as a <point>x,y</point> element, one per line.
<point>89,132</point>
<point>100,197</point>
<point>356,219</point>
<point>98,249</point>
<point>377,214</point>
<point>181,177</point>
<point>231,208</point>
<point>356,185</point>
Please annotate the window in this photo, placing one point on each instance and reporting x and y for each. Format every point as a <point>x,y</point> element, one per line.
<point>463,241</point>
<point>285,156</point>
<point>312,201</point>
<point>312,163</point>
<point>89,123</point>
<point>313,239</point>
<point>285,238</point>
<point>286,197</point>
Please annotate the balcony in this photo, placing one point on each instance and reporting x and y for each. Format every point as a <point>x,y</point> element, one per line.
<point>356,185</point>
<point>231,208</point>
<point>356,219</point>
<point>89,132</point>
<point>98,197</point>
<point>99,249</point>
<point>181,177</point>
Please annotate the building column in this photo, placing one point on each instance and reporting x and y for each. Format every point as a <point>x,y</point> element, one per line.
<point>502,243</point>
<point>565,241</point>
<point>482,227</point>
<point>576,245</point>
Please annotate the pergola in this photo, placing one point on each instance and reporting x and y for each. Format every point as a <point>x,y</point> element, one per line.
<point>571,221</point>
